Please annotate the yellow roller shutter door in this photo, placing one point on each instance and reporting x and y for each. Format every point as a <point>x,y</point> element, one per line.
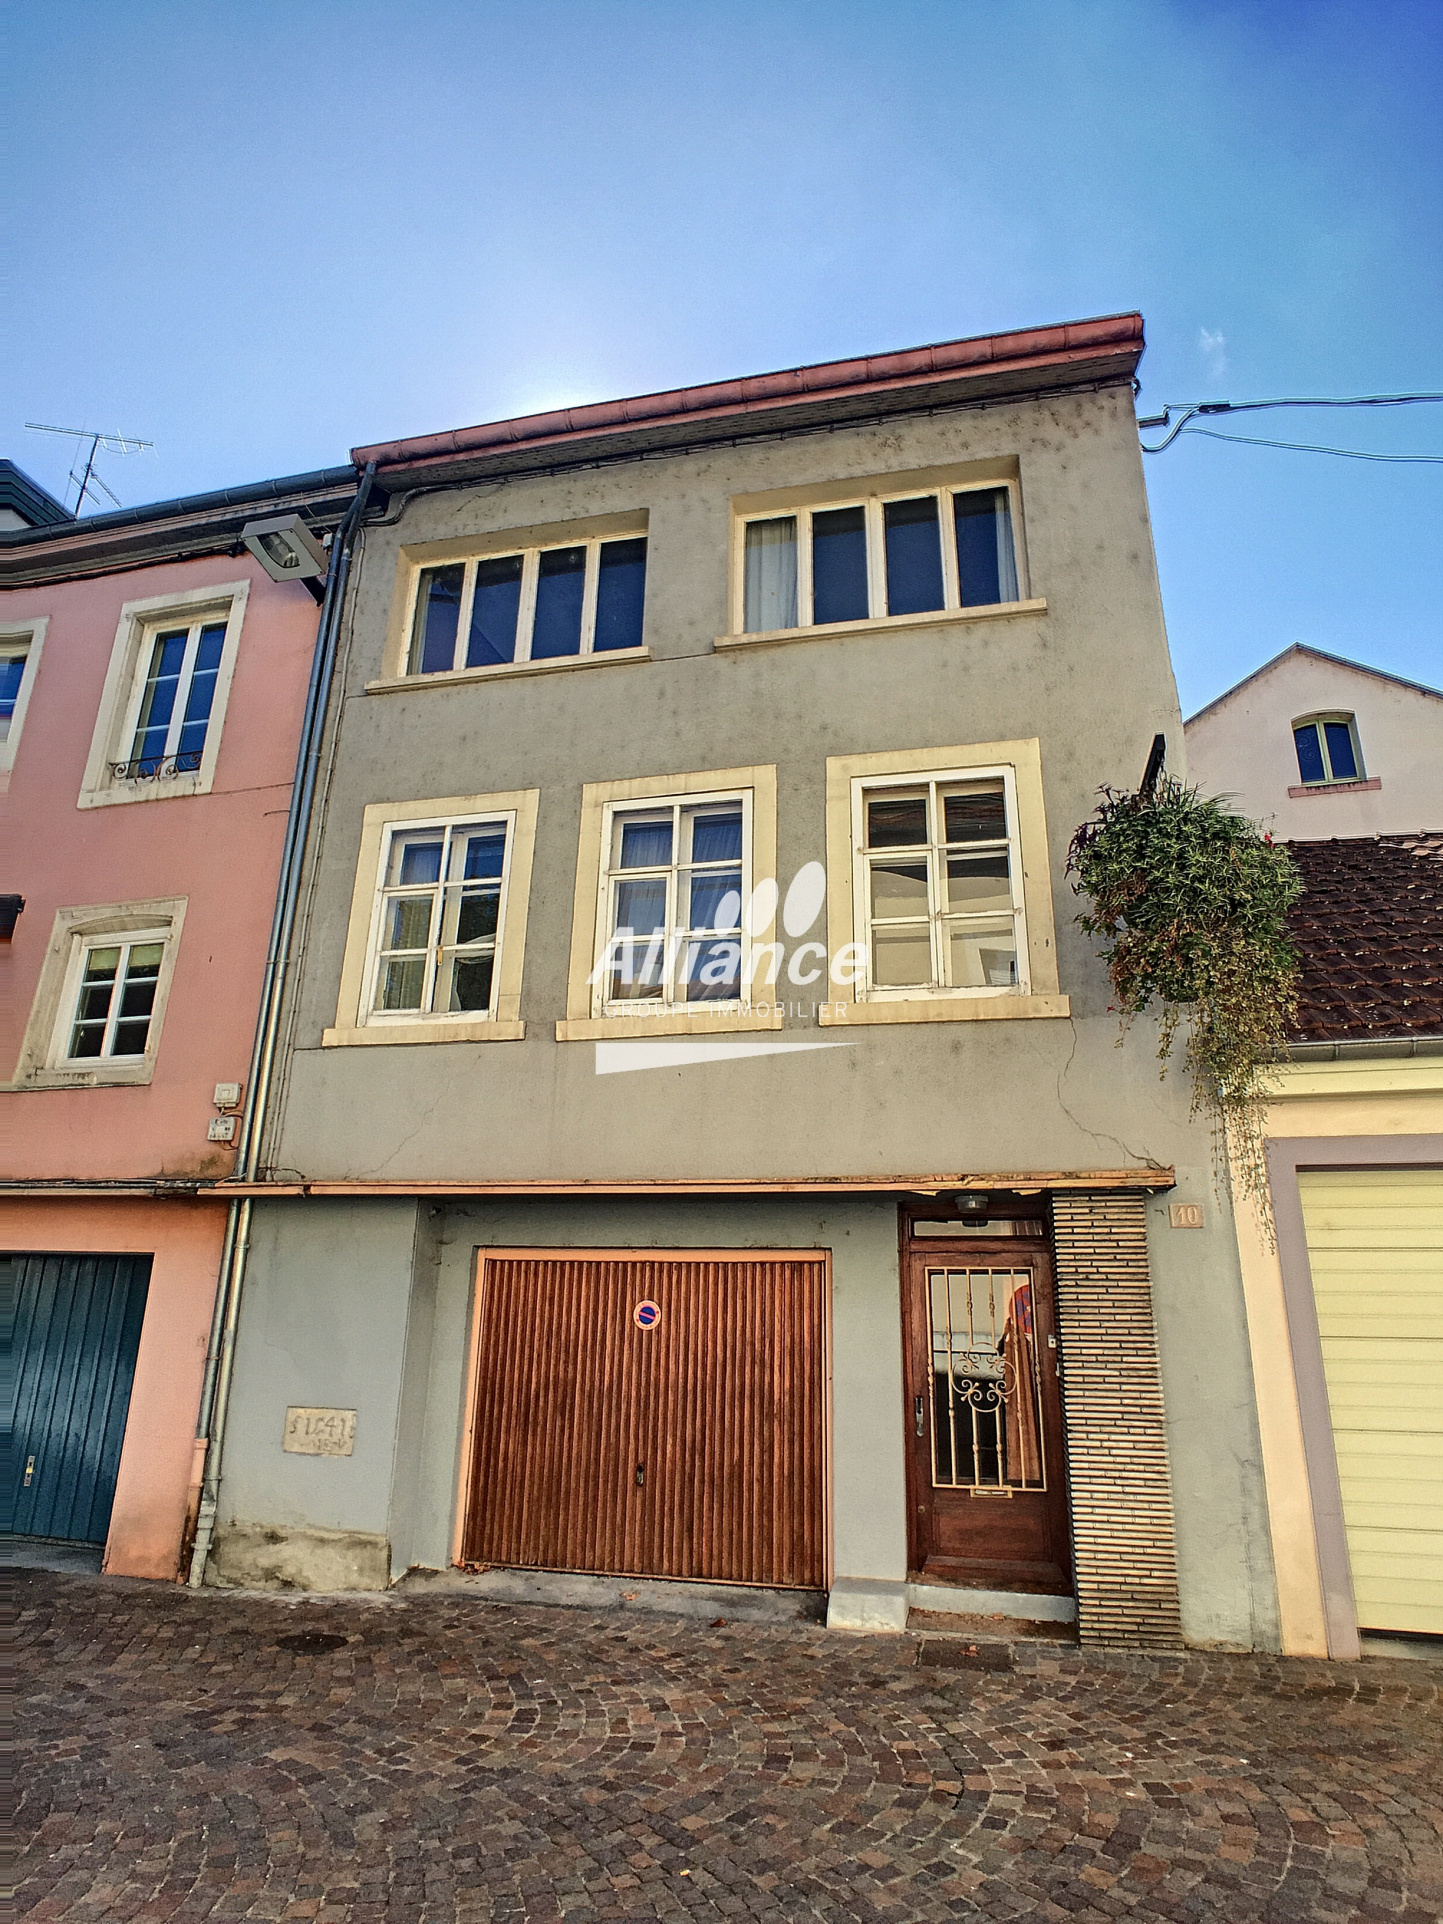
<point>1375,1246</point>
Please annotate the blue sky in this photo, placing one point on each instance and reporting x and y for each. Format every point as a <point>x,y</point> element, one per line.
<point>259,234</point>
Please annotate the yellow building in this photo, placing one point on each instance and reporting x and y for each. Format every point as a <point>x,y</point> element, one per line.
<point>1345,1308</point>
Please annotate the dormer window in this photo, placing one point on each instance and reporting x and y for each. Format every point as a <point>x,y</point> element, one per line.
<point>1328,750</point>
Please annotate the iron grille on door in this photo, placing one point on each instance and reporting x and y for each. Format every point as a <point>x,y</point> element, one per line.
<point>692,1448</point>
<point>987,1430</point>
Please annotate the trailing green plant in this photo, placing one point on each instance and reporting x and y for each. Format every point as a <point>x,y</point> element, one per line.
<point>1191,902</point>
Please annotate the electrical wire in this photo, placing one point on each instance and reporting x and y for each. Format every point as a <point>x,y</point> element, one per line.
<point>1190,410</point>
<point>1309,447</point>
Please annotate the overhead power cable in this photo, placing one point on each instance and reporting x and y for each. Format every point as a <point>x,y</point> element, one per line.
<point>1191,409</point>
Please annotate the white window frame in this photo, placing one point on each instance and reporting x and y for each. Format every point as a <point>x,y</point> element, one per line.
<point>125,940</point>
<point>43,1062</point>
<point>22,638</point>
<point>194,629</point>
<point>370,1015</point>
<point>1330,780</point>
<point>938,915</point>
<point>120,702</point>
<point>357,1022</point>
<point>526,610</point>
<point>873,503</point>
<point>676,938</point>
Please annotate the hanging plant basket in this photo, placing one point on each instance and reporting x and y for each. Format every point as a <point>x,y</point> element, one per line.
<point>1190,903</point>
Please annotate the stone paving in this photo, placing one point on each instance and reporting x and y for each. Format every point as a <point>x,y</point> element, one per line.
<point>439,1760</point>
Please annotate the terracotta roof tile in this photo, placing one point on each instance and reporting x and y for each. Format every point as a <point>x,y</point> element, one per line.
<point>1369,933</point>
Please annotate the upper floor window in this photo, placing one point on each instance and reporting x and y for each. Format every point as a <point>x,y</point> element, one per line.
<point>163,708</point>
<point>19,658</point>
<point>938,889</point>
<point>441,916</point>
<point>176,700</point>
<point>1328,750</point>
<point>537,604</point>
<point>915,553</point>
<point>676,874</point>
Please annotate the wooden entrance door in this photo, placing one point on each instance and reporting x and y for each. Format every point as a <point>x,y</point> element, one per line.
<point>649,1415</point>
<point>987,1492</point>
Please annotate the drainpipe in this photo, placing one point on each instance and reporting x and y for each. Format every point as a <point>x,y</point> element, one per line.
<point>220,1352</point>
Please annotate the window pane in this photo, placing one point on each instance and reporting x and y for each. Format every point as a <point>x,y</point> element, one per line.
<point>470,986</point>
<point>438,613</point>
<point>901,958</point>
<point>717,838</point>
<point>641,906</point>
<point>620,592</point>
<point>984,958</point>
<point>415,861</point>
<point>557,628</point>
<point>986,562</point>
<point>645,844</point>
<point>976,814</point>
<point>713,971</point>
<point>476,915</point>
<point>839,565</point>
<point>493,612</point>
<point>976,883</point>
<point>408,923</point>
<point>637,974</point>
<point>401,983</point>
<point>914,556</point>
<point>716,900</point>
<point>897,822</point>
<point>1340,751</point>
<point>198,702</point>
<point>12,673</point>
<point>899,888</point>
<point>1310,753</point>
<point>158,702</point>
<point>485,855</point>
<point>771,575</point>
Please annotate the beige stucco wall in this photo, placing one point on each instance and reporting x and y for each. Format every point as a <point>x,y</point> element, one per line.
<point>1319,1099</point>
<point>1242,747</point>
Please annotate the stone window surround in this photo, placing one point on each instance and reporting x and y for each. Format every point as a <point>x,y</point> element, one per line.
<point>33,633</point>
<point>120,700</point>
<point>351,1026</point>
<point>39,1067</point>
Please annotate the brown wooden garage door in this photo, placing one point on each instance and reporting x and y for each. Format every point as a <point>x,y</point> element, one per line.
<point>689,1448</point>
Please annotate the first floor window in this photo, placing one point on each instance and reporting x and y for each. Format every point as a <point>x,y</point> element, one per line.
<point>906,555</point>
<point>939,897</point>
<point>675,879</point>
<point>541,604</point>
<point>440,918</point>
<point>175,703</point>
<point>1327,750</point>
<point>116,997</point>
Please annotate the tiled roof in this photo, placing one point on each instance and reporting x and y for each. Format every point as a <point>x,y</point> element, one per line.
<point>1369,933</point>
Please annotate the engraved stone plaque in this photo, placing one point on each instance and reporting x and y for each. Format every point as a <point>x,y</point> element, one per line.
<point>320,1432</point>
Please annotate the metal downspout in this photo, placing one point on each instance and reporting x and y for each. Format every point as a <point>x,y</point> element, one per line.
<point>220,1354</point>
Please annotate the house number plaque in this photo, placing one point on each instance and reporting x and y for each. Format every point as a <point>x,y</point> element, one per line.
<point>320,1432</point>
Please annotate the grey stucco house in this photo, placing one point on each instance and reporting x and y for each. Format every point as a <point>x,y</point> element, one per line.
<point>700,1147</point>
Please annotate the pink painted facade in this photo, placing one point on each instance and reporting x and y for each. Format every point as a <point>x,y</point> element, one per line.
<point>218,853</point>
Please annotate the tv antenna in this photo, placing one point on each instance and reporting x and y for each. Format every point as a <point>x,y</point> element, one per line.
<point>101,441</point>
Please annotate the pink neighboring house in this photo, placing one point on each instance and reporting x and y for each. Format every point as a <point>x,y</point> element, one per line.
<point>153,678</point>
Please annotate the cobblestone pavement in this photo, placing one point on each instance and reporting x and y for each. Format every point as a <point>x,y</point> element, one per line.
<point>204,1756</point>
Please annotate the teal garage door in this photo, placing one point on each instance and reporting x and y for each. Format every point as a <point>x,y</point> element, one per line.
<point>71,1329</point>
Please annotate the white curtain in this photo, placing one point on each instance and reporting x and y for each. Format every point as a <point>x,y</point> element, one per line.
<point>1006,558</point>
<point>771,583</point>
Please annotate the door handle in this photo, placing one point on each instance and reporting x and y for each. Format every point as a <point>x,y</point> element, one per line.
<point>29,1472</point>
<point>918,1416</point>
<point>640,1475</point>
